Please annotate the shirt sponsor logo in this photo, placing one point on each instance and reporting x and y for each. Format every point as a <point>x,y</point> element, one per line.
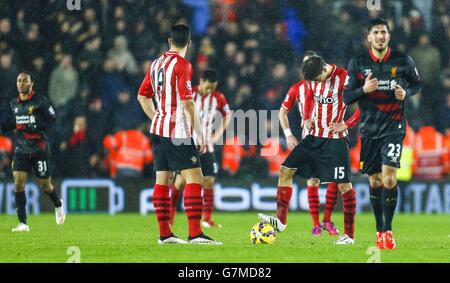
<point>324,100</point>
<point>386,85</point>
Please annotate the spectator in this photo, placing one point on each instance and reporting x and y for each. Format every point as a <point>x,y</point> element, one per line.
<point>443,109</point>
<point>126,114</point>
<point>124,58</point>
<point>63,82</point>
<point>8,75</point>
<point>76,150</point>
<point>111,82</point>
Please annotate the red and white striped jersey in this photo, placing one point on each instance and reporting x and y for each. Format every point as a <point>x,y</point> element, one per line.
<point>297,93</point>
<point>329,106</point>
<point>169,80</point>
<point>208,107</point>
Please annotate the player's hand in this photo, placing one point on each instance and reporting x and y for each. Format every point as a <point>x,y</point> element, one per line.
<point>308,124</point>
<point>292,142</point>
<point>400,92</point>
<point>338,127</point>
<point>201,146</point>
<point>371,84</point>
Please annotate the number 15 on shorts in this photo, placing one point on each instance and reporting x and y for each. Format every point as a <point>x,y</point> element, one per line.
<point>339,173</point>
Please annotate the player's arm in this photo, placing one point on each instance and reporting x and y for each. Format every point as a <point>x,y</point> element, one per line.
<point>145,95</point>
<point>413,78</point>
<point>309,107</point>
<point>288,103</point>
<point>350,123</point>
<point>226,119</point>
<point>352,91</point>
<point>183,71</point>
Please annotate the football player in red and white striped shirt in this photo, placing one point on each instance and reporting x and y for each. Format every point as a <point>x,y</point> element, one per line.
<point>169,82</point>
<point>296,94</point>
<point>211,105</point>
<point>324,153</point>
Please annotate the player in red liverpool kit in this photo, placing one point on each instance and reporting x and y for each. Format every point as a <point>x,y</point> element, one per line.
<point>211,105</point>
<point>169,82</point>
<point>297,94</point>
<point>325,151</point>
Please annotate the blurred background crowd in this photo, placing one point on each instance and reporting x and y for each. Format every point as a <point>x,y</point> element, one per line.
<point>91,62</point>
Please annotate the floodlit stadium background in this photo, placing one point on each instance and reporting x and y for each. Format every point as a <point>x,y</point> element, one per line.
<point>90,63</point>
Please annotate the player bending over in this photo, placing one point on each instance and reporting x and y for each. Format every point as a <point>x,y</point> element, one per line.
<point>33,115</point>
<point>323,153</point>
<point>297,94</point>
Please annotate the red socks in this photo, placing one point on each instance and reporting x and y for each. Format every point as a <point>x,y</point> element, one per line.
<point>331,197</point>
<point>208,203</point>
<point>193,204</point>
<point>284,195</point>
<point>174,199</point>
<point>314,205</point>
<point>349,199</point>
<point>161,203</point>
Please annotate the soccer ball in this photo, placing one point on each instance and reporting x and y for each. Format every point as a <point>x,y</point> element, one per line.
<point>262,233</point>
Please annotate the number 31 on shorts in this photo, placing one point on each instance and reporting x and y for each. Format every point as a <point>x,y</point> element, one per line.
<point>339,173</point>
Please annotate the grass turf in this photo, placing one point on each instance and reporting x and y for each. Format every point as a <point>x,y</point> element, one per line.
<point>133,238</point>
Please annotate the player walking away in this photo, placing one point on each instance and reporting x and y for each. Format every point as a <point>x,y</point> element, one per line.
<point>33,115</point>
<point>297,94</point>
<point>208,103</point>
<point>323,153</point>
<point>169,81</point>
<point>380,80</point>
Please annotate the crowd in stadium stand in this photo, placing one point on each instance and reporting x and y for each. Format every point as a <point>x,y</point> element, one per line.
<point>91,62</point>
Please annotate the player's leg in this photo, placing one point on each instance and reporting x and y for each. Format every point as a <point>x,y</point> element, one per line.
<point>175,194</point>
<point>371,165</point>
<point>390,153</point>
<point>284,194</point>
<point>161,194</point>
<point>333,165</point>
<point>208,202</point>
<point>210,169</point>
<point>375,191</point>
<point>20,179</point>
<point>41,167</point>
<point>298,161</point>
<point>193,204</point>
<point>47,187</point>
<point>389,202</point>
<point>312,187</point>
<point>349,204</point>
<point>331,197</point>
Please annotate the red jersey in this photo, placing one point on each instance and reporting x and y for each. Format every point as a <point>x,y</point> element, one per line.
<point>329,106</point>
<point>208,107</point>
<point>169,80</point>
<point>297,93</point>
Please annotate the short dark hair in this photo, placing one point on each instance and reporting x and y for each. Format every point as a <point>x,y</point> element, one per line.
<point>210,75</point>
<point>180,35</point>
<point>376,22</point>
<point>310,53</point>
<point>312,67</point>
<point>27,73</point>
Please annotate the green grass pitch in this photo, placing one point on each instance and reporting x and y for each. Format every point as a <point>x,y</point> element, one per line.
<point>133,238</point>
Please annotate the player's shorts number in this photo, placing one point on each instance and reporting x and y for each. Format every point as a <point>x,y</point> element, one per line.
<point>339,173</point>
<point>42,166</point>
<point>394,150</point>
